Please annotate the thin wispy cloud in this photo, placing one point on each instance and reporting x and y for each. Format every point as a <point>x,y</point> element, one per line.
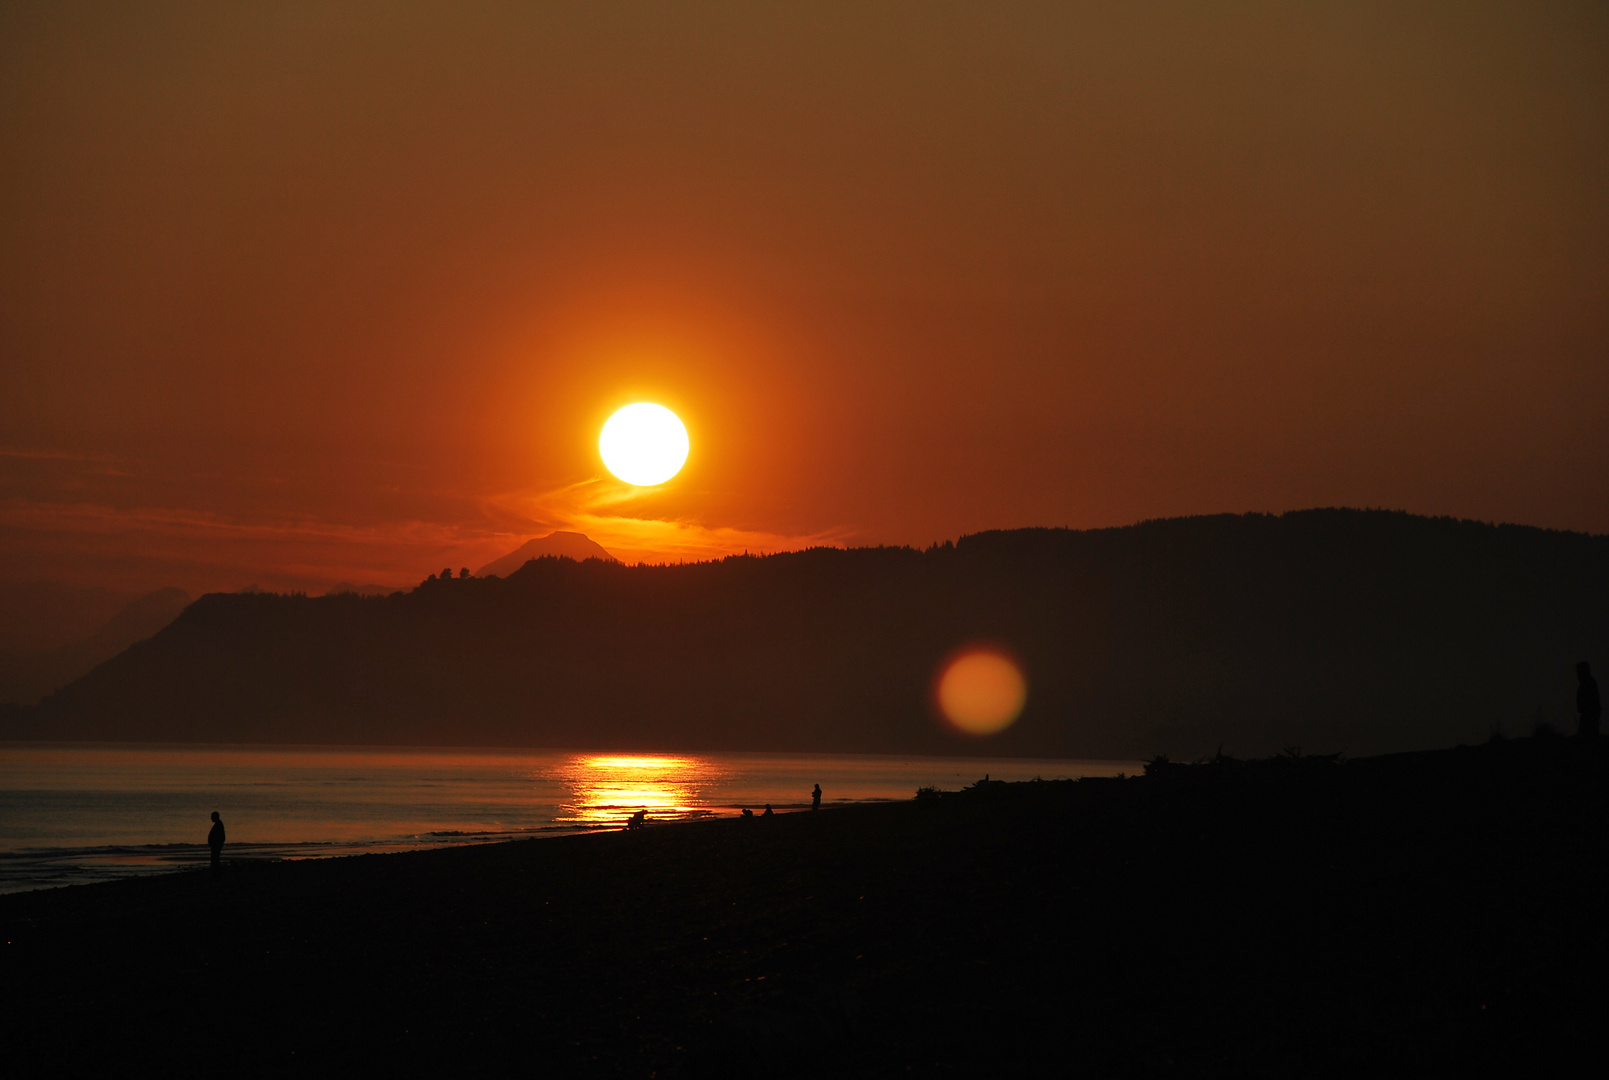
<point>26,453</point>
<point>600,508</point>
<point>308,551</point>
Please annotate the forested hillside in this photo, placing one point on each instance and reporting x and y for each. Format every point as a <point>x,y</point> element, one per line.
<point>1361,631</point>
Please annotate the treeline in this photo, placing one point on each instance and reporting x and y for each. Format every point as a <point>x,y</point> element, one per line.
<point>1337,630</point>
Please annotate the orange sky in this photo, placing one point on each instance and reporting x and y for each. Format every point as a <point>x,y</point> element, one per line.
<point>293,295</point>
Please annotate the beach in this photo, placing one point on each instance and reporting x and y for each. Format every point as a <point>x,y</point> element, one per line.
<point>79,814</point>
<point>1423,914</point>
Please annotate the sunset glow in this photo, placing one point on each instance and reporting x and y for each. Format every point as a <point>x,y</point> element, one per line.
<point>631,468</point>
<point>892,304</point>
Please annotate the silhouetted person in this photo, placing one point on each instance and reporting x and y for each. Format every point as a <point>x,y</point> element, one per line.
<point>767,810</point>
<point>815,798</point>
<point>748,815</point>
<point>637,820</point>
<point>215,842</point>
<point>1587,703</point>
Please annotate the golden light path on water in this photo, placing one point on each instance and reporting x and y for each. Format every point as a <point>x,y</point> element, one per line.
<point>606,789</point>
<point>74,814</point>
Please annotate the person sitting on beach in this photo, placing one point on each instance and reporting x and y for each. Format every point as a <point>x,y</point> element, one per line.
<point>815,798</point>
<point>215,842</point>
<point>748,815</point>
<point>637,820</point>
<point>767,811</point>
<point>1587,702</point>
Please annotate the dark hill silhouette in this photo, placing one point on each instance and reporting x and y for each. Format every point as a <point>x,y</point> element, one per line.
<point>28,676</point>
<point>361,590</point>
<point>1360,631</point>
<point>568,545</point>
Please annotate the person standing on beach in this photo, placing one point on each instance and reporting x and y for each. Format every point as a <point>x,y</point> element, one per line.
<point>215,842</point>
<point>815,798</point>
<point>1587,703</point>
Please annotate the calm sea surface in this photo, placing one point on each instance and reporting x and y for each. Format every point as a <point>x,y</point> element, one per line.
<point>74,813</point>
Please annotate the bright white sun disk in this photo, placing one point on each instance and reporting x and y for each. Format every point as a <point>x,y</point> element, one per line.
<point>644,444</point>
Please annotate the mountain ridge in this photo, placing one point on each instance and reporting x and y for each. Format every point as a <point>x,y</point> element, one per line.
<point>566,545</point>
<point>26,675</point>
<point>1359,631</point>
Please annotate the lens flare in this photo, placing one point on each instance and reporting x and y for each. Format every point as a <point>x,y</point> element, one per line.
<point>981,690</point>
<point>644,444</point>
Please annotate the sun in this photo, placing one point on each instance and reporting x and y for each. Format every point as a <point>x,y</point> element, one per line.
<point>644,444</point>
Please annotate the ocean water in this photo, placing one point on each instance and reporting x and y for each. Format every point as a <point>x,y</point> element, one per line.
<point>77,813</point>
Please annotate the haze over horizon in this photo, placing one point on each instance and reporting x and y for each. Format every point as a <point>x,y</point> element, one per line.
<point>321,293</point>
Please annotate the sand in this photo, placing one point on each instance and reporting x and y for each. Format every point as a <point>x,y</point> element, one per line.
<point>1417,914</point>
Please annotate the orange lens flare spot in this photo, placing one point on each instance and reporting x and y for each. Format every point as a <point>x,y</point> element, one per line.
<point>981,690</point>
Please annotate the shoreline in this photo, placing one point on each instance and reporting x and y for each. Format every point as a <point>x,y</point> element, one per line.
<point>78,814</point>
<point>192,857</point>
<point>1423,913</point>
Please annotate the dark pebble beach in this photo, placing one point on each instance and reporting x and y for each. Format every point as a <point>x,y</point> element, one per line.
<point>1433,914</point>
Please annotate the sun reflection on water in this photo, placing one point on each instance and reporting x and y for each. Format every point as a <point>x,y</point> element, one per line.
<point>606,789</point>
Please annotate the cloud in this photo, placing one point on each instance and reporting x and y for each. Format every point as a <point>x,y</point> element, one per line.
<point>32,454</point>
<point>203,550</point>
<point>601,508</point>
<point>200,550</point>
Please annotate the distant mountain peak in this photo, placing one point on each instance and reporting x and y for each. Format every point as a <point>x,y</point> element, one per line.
<point>142,618</point>
<point>25,677</point>
<point>567,545</point>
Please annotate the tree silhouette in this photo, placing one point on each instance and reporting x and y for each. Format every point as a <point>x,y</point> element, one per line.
<point>1329,629</point>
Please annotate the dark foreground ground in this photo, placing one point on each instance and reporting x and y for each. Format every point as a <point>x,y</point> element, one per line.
<point>1433,914</point>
